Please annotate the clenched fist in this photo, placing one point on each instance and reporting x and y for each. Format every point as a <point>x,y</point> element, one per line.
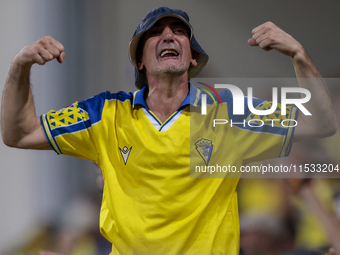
<point>268,36</point>
<point>40,52</point>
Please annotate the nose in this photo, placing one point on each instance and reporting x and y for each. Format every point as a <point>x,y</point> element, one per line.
<point>168,35</point>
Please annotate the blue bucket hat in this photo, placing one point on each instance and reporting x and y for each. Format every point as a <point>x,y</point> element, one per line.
<point>147,22</point>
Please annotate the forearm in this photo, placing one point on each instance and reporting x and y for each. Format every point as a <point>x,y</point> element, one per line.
<point>323,120</point>
<point>18,116</point>
<point>304,67</point>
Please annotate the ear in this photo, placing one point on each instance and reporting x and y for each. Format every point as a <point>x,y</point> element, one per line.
<point>194,56</point>
<point>193,62</point>
<point>140,66</point>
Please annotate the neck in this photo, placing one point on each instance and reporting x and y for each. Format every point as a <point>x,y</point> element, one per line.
<point>165,96</point>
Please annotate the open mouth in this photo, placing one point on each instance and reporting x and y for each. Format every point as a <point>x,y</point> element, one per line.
<point>169,53</point>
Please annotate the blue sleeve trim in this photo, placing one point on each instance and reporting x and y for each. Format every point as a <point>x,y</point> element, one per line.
<point>47,130</point>
<point>41,121</point>
<point>287,145</point>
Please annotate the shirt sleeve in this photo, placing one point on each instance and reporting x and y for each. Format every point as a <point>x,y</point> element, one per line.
<point>69,130</point>
<point>260,137</point>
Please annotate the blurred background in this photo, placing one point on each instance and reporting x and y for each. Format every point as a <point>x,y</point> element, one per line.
<point>38,190</point>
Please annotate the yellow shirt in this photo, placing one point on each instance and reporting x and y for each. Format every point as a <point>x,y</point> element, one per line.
<point>150,204</point>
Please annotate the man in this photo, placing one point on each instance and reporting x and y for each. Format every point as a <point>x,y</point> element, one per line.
<point>141,140</point>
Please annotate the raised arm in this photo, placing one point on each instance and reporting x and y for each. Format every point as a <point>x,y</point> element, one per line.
<point>323,120</point>
<point>20,127</point>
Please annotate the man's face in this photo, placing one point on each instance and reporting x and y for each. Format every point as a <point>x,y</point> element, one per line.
<point>166,49</point>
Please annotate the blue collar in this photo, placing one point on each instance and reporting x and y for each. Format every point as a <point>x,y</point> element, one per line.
<point>139,97</point>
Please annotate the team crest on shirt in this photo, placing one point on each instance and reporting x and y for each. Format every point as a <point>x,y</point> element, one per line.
<point>125,152</point>
<point>204,148</point>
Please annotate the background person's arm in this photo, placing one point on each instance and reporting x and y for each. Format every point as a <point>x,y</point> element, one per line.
<point>327,219</point>
<point>20,127</point>
<point>323,121</point>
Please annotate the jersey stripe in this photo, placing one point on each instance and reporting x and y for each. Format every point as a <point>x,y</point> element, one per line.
<point>50,138</point>
<point>288,141</point>
<point>171,121</point>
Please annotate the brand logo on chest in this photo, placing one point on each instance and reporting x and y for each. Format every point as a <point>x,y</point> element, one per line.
<point>125,152</point>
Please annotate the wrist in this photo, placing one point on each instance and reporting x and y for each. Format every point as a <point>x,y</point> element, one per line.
<point>20,66</point>
<point>303,65</point>
<point>299,55</point>
<point>19,62</point>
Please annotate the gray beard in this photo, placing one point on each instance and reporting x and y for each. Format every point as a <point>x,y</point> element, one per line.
<point>172,69</point>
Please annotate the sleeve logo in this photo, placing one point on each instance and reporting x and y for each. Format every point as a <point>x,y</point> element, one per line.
<point>67,116</point>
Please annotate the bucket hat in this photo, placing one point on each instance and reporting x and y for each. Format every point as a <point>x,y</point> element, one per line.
<point>147,22</point>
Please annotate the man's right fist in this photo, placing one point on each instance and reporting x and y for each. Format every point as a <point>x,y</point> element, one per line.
<point>41,51</point>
